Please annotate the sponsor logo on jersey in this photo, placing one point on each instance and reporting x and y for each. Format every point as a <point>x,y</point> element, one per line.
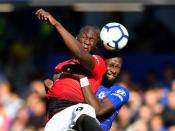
<point>119,93</point>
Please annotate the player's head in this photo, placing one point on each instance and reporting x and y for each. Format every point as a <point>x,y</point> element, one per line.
<point>113,67</point>
<point>88,37</point>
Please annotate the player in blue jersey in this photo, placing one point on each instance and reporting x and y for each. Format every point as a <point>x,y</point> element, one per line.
<point>108,99</point>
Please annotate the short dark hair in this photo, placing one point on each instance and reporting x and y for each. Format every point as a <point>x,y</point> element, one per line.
<point>89,27</point>
<point>110,54</point>
<point>106,54</point>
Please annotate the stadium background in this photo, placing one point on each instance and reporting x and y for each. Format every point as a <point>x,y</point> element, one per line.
<point>29,50</point>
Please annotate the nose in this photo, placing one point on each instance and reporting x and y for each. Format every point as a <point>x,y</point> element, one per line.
<point>114,71</point>
<point>87,41</point>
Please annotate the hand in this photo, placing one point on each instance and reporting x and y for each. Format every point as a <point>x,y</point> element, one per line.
<point>48,83</point>
<point>46,17</point>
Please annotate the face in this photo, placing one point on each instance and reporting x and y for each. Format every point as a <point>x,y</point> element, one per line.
<point>113,66</point>
<point>88,38</point>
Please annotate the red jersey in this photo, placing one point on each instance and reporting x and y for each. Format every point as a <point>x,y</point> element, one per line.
<point>67,88</point>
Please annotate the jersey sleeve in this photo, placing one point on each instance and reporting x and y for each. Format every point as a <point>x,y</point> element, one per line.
<point>118,97</point>
<point>99,68</point>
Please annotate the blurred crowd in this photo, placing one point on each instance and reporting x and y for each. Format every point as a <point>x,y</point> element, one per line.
<point>24,47</point>
<point>25,112</point>
<point>151,105</point>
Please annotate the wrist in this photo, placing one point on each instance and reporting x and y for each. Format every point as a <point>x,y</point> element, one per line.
<point>84,82</point>
<point>57,24</point>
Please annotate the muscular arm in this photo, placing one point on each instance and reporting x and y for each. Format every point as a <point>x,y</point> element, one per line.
<point>101,107</point>
<point>72,44</point>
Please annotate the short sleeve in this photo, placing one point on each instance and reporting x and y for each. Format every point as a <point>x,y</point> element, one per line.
<point>118,97</point>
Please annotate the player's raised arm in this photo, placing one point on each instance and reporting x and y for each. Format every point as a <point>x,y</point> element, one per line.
<point>72,44</point>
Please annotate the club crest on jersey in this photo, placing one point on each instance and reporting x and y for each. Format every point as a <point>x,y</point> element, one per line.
<point>101,95</point>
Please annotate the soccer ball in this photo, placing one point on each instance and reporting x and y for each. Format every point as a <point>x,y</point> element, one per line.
<point>114,36</point>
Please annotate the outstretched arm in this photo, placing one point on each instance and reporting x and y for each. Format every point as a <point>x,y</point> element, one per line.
<point>72,44</point>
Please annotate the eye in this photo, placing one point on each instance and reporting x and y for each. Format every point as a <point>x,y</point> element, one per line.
<point>117,66</point>
<point>110,65</point>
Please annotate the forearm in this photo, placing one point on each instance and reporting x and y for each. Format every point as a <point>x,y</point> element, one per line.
<point>90,98</point>
<point>101,107</point>
<point>72,44</point>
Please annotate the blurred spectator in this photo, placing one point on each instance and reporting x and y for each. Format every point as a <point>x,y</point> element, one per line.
<point>126,80</point>
<point>169,114</point>
<point>168,74</point>
<point>171,128</point>
<point>156,123</point>
<point>139,125</point>
<point>10,101</point>
<point>151,80</point>
<point>124,118</point>
<point>145,113</point>
<point>157,109</point>
<point>114,126</point>
<point>173,85</point>
<point>135,102</point>
<point>21,120</point>
<point>151,98</point>
<point>36,105</point>
<point>35,86</point>
<point>4,119</point>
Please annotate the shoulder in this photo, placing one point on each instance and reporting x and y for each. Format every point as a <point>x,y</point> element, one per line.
<point>118,95</point>
<point>119,90</point>
<point>118,87</point>
<point>100,66</point>
<point>98,58</point>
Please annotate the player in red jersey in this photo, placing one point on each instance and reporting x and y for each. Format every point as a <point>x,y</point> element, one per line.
<point>67,88</point>
<point>66,91</point>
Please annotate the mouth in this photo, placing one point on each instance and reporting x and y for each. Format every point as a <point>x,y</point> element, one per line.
<point>111,76</point>
<point>86,48</point>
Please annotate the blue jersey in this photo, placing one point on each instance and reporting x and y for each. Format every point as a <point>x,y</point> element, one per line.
<point>118,96</point>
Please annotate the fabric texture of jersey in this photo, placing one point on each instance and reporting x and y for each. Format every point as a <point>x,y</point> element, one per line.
<point>67,88</point>
<point>118,96</point>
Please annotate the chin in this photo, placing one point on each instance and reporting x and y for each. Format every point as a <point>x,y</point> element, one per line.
<point>110,78</point>
<point>107,81</point>
<point>87,50</point>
